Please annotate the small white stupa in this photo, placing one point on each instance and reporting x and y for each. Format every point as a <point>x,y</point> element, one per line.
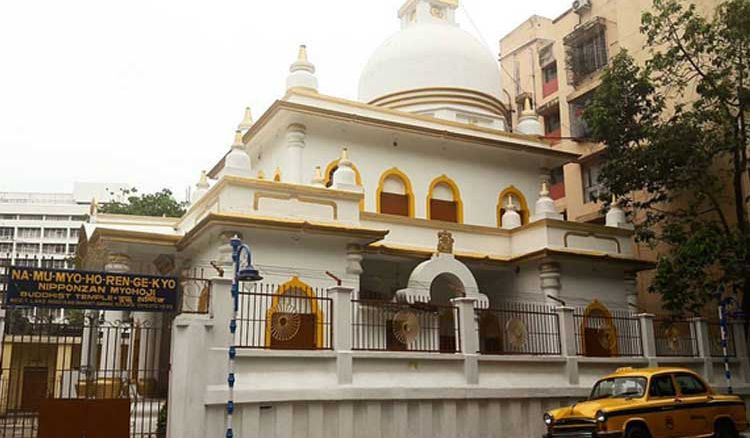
<point>302,73</point>
<point>201,188</point>
<point>616,217</point>
<point>344,178</point>
<point>237,161</point>
<point>528,122</point>
<point>318,179</point>
<point>511,218</point>
<point>545,206</point>
<point>247,121</point>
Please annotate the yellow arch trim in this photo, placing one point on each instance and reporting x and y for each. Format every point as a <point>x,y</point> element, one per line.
<point>443,179</point>
<point>395,172</point>
<point>598,307</point>
<point>296,283</point>
<point>357,175</point>
<point>512,190</point>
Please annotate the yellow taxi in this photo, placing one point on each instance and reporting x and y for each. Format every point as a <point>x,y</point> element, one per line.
<point>650,403</point>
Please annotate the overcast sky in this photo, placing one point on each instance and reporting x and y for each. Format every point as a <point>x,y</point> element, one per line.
<point>149,92</point>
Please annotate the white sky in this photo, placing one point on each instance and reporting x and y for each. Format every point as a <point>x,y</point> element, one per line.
<point>149,92</point>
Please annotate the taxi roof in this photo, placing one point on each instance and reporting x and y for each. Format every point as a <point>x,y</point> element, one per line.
<point>646,372</point>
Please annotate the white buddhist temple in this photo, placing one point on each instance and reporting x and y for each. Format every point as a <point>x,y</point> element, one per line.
<point>417,278</point>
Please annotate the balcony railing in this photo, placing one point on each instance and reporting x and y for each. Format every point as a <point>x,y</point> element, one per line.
<point>602,335</point>
<point>388,326</point>
<point>283,319</point>
<point>519,329</point>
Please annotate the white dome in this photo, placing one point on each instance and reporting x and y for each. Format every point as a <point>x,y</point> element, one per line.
<point>430,55</point>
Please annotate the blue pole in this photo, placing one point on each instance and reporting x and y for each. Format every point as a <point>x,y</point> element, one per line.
<point>236,249</point>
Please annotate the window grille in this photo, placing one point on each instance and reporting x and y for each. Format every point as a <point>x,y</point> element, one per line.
<point>586,50</point>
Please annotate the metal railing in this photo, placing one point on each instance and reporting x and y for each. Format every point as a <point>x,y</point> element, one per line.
<point>389,326</point>
<point>270,317</point>
<point>614,335</point>
<point>519,328</point>
<point>675,338</point>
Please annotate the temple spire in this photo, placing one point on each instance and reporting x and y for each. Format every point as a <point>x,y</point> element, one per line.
<point>302,72</point>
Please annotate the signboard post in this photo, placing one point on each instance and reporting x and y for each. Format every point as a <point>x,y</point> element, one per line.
<point>42,287</point>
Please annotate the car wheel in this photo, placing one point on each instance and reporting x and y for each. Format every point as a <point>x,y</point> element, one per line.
<point>725,429</point>
<point>637,431</point>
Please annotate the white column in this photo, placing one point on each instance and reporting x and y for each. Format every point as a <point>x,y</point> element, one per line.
<point>467,329</point>
<point>648,338</point>
<point>631,290</point>
<point>566,319</point>
<point>342,331</point>
<point>700,331</point>
<point>109,361</point>
<point>549,277</point>
<point>295,144</point>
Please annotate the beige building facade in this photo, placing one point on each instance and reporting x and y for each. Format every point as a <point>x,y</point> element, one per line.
<point>558,63</point>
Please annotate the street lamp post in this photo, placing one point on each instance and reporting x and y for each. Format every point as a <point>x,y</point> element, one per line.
<point>243,271</point>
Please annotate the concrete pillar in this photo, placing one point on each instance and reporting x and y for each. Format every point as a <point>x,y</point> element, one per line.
<point>648,337</point>
<point>549,278</point>
<point>631,290</point>
<point>700,330</point>
<point>342,331</point>
<point>467,329</point>
<point>568,342</point>
<point>193,339</point>
<point>295,144</point>
<point>109,361</point>
<point>740,347</point>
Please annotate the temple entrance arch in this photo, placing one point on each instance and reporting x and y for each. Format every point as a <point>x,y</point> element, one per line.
<point>439,279</point>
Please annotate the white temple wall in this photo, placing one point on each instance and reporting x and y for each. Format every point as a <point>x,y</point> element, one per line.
<point>481,173</point>
<point>583,282</point>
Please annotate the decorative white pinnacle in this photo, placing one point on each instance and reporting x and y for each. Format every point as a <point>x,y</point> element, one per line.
<point>344,178</point>
<point>302,72</point>
<point>528,122</point>
<point>247,120</point>
<point>237,161</point>
<point>511,218</point>
<point>201,187</point>
<point>545,206</point>
<point>318,179</point>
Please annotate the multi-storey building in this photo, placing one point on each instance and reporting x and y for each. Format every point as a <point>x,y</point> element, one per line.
<point>557,64</point>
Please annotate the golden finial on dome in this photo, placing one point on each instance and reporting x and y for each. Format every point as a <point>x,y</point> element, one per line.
<point>510,205</point>
<point>238,139</point>
<point>302,55</point>
<point>261,174</point>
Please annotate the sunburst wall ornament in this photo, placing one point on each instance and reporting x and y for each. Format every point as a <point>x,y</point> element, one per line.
<point>285,323</point>
<point>517,333</point>
<point>672,335</point>
<point>405,326</point>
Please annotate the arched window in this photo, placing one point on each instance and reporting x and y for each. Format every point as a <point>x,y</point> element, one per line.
<point>333,167</point>
<point>294,320</point>
<point>395,194</point>
<point>518,200</point>
<point>444,201</point>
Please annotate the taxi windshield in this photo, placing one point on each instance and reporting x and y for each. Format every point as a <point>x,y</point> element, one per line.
<point>619,387</point>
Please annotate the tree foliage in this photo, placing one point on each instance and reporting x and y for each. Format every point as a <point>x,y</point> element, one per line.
<point>161,203</point>
<point>677,141</point>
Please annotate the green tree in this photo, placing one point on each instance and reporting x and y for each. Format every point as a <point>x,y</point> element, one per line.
<point>676,131</point>
<point>161,203</point>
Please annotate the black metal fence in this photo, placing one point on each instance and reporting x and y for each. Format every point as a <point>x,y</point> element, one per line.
<point>84,358</point>
<point>607,334</point>
<point>519,328</point>
<point>285,318</point>
<point>388,326</point>
<point>675,338</point>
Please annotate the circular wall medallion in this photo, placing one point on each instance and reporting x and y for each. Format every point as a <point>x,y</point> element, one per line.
<point>285,323</point>
<point>517,333</point>
<point>405,326</point>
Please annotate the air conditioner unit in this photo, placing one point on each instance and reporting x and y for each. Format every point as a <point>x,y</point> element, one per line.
<point>581,5</point>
